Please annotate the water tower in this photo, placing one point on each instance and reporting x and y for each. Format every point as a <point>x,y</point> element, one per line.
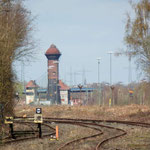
<point>53,90</point>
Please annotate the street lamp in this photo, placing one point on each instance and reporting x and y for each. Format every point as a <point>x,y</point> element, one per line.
<point>99,87</point>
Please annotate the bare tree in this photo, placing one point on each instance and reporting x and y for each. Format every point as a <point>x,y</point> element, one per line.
<point>15,44</point>
<point>137,37</point>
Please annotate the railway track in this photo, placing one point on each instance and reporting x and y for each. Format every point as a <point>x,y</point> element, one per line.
<point>141,124</point>
<point>91,125</point>
<point>103,129</point>
<point>23,135</point>
<point>97,123</point>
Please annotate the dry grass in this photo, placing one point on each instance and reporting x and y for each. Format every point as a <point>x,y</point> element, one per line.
<point>137,137</point>
<point>130,112</point>
<point>66,133</point>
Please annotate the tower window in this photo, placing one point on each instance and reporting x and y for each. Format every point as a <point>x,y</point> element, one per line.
<point>54,73</point>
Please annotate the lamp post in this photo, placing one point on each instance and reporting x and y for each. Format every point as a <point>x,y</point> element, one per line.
<point>111,87</point>
<point>110,53</point>
<point>99,87</point>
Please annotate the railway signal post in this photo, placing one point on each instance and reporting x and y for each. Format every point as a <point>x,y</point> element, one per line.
<point>9,120</point>
<point>131,92</point>
<point>39,120</point>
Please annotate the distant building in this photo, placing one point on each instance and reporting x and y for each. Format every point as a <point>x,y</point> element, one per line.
<point>81,96</point>
<point>57,92</point>
<point>64,93</point>
<point>35,95</point>
<point>31,92</point>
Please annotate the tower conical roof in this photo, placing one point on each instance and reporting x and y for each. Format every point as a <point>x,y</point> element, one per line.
<point>52,50</point>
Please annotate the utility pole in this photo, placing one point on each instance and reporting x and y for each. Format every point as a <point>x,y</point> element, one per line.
<point>110,53</point>
<point>75,79</point>
<point>99,86</point>
<point>83,73</point>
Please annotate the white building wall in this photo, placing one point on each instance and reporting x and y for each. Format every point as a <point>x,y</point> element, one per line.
<point>64,97</point>
<point>30,98</point>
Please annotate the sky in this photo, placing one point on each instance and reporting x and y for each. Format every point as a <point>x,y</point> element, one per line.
<point>83,30</point>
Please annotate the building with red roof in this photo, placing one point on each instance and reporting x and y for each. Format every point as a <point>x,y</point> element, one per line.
<point>63,86</point>
<point>53,50</point>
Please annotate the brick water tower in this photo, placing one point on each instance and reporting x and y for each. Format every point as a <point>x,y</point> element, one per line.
<point>53,89</point>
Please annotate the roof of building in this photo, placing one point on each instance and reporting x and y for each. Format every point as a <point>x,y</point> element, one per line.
<point>42,90</point>
<point>72,90</point>
<point>63,86</point>
<point>52,50</point>
<point>82,90</point>
<point>31,84</point>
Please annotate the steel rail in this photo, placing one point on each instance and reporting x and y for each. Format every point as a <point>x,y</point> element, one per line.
<point>111,138</point>
<point>83,138</point>
<point>27,138</point>
<point>95,120</point>
<point>9,140</point>
<point>92,124</point>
